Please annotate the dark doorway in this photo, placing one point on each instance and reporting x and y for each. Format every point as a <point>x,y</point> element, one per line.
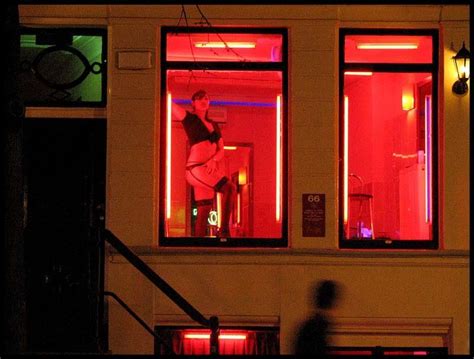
<point>64,195</point>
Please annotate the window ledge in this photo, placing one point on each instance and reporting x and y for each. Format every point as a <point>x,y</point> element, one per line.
<point>154,254</point>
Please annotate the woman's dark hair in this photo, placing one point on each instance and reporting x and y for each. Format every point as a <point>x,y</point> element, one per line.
<point>198,95</point>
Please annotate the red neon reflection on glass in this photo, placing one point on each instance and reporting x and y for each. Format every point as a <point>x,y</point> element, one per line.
<point>428,174</point>
<point>168,156</point>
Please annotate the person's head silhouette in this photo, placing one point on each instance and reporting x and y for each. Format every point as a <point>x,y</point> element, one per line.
<point>326,292</point>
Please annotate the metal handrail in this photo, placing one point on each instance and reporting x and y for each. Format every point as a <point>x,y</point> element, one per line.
<point>137,318</point>
<point>173,295</point>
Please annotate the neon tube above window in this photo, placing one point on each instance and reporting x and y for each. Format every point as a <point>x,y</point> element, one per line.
<point>380,46</point>
<point>222,45</point>
<point>358,73</point>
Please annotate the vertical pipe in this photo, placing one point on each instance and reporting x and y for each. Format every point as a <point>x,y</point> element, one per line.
<point>214,338</point>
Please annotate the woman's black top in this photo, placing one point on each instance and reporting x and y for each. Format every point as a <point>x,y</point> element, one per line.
<point>197,131</point>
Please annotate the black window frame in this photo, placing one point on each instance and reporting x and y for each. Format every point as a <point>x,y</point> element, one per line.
<point>61,34</point>
<point>432,68</point>
<point>248,242</point>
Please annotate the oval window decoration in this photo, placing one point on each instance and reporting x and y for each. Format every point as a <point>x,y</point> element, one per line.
<point>94,68</point>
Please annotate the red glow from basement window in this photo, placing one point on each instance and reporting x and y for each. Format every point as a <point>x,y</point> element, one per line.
<point>207,336</point>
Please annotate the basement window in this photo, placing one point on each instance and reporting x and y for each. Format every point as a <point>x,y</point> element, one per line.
<point>244,77</point>
<point>388,139</point>
<point>380,351</point>
<point>232,341</point>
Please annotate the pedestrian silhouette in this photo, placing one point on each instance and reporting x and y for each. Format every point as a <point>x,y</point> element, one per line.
<point>312,335</point>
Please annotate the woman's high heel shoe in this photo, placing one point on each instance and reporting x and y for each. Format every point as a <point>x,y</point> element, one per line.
<point>223,233</point>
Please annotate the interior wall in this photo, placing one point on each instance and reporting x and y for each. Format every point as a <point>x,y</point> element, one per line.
<point>383,139</point>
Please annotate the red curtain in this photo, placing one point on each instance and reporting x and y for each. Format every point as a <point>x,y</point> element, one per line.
<point>257,342</point>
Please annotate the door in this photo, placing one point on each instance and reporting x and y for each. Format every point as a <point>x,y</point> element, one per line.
<point>64,191</point>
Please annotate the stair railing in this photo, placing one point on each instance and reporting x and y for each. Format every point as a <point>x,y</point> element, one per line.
<point>211,323</point>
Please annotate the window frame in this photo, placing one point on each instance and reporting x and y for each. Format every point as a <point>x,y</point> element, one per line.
<point>159,329</point>
<point>432,68</point>
<point>382,350</point>
<point>240,242</point>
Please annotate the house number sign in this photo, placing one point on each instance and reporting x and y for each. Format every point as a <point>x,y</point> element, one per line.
<point>314,215</point>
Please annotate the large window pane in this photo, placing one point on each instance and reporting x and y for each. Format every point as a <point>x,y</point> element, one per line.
<point>233,47</point>
<point>223,137</point>
<point>388,139</point>
<point>246,105</point>
<point>388,147</point>
<point>388,49</point>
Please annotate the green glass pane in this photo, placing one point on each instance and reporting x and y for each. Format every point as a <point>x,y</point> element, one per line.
<point>62,70</point>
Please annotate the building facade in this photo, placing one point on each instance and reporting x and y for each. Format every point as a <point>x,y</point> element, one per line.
<point>403,295</point>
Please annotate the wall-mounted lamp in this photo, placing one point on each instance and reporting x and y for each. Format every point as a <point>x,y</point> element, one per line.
<point>462,62</point>
<point>408,97</point>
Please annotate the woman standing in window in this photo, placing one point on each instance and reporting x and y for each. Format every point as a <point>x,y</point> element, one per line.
<point>202,167</point>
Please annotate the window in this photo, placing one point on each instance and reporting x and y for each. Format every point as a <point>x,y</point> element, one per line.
<point>223,167</point>
<point>388,139</point>
<point>63,67</point>
<point>232,341</point>
<point>380,351</point>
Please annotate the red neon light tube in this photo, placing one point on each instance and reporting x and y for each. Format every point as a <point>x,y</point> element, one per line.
<point>389,46</point>
<point>278,160</point>
<point>428,169</point>
<point>346,162</point>
<point>219,210</point>
<point>168,156</point>
<point>358,73</point>
<point>221,337</point>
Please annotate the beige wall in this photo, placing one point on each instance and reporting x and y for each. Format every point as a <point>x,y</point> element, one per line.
<point>391,298</point>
